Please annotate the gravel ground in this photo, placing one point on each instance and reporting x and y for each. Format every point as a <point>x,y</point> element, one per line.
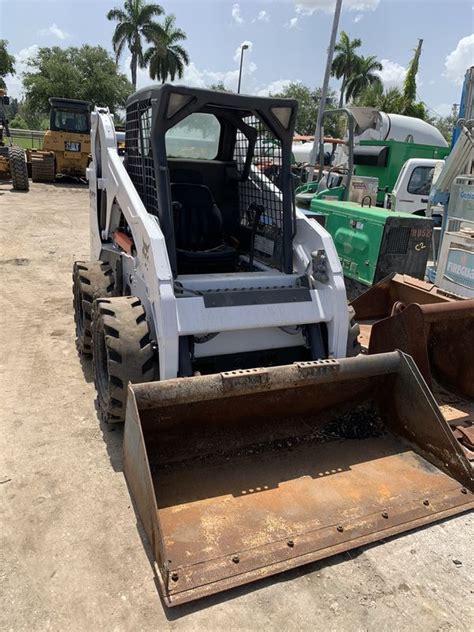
<point>71,552</point>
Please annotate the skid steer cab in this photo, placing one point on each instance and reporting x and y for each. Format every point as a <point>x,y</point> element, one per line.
<point>66,145</point>
<point>216,317</point>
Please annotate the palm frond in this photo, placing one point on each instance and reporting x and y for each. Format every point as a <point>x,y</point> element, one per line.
<point>148,12</point>
<point>117,14</point>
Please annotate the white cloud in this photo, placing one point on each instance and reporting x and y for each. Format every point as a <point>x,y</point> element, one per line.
<point>392,74</point>
<point>262,16</point>
<point>459,60</point>
<point>308,7</point>
<point>275,87</point>
<point>55,31</point>
<point>292,24</point>
<point>14,82</point>
<point>236,13</point>
<point>358,18</point>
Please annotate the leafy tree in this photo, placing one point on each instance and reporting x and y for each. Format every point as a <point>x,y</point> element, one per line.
<point>135,23</point>
<point>394,100</point>
<point>410,106</point>
<point>7,62</point>
<point>346,61</point>
<point>167,58</point>
<point>364,76</point>
<point>18,123</point>
<point>88,73</point>
<point>446,124</point>
<point>308,104</point>
<point>385,100</point>
<point>219,86</point>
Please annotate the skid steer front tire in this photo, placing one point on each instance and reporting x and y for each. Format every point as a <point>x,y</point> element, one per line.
<point>90,280</point>
<point>18,168</point>
<point>122,352</point>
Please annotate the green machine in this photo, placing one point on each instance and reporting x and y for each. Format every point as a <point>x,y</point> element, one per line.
<point>373,242</point>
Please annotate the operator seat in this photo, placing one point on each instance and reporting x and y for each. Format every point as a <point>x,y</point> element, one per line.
<point>200,245</point>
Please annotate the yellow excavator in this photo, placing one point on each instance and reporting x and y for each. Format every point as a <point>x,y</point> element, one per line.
<point>66,146</point>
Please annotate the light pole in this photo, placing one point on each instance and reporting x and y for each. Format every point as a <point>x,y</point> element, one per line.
<point>324,91</point>
<point>244,47</point>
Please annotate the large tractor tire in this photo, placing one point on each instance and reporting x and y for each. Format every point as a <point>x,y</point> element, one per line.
<point>91,280</point>
<point>18,168</point>
<point>353,345</point>
<point>42,168</point>
<point>122,352</point>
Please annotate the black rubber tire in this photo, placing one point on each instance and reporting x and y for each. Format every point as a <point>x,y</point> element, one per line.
<point>90,280</point>
<point>42,168</point>
<point>122,352</point>
<point>18,168</point>
<point>353,345</point>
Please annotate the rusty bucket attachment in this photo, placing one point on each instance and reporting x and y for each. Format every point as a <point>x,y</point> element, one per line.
<point>439,337</point>
<point>244,474</point>
<point>415,317</point>
<point>396,289</point>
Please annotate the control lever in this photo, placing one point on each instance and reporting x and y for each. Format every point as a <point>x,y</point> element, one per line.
<point>258,210</point>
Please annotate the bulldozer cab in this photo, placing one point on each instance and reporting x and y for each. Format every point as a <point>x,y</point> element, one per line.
<point>70,116</point>
<point>198,159</point>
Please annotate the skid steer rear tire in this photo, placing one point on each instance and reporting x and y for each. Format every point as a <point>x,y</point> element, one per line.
<point>90,280</point>
<point>18,168</point>
<point>122,352</point>
<point>353,345</point>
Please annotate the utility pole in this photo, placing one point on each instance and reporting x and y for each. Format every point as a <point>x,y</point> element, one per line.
<point>324,90</point>
<point>244,47</point>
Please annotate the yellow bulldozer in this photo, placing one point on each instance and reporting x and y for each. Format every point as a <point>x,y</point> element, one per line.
<point>66,145</point>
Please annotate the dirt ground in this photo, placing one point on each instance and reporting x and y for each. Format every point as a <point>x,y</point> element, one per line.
<point>71,552</point>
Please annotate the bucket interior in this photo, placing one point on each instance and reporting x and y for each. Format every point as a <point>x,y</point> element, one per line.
<point>245,486</point>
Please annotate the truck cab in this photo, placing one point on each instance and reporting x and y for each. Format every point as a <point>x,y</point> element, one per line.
<point>411,192</point>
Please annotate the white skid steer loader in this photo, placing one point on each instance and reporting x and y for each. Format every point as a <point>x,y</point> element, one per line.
<point>217,320</point>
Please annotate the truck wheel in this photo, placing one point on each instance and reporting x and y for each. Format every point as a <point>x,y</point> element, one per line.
<point>18,168</point>
<point>42,168</point>
<point>90,280</point>
<point>122,352</point>
<point>353,344</point>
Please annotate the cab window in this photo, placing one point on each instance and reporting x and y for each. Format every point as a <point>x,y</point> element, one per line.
<point>420,181</point>
<point>197,136</point>
<point>70,121</point>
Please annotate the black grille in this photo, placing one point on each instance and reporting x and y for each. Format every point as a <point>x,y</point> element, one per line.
<point>139,154</point>
<point>397,241</point>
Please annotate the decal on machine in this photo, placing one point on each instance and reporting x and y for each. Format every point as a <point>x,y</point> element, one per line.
<point>460,267</point>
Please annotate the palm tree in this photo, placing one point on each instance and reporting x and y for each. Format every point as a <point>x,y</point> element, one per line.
<point>167,58</point>
<point>345,62</point>
<point>364,76</point>
<point>135,21</point>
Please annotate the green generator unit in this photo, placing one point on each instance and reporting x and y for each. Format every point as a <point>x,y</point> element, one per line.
<point>373,242</point>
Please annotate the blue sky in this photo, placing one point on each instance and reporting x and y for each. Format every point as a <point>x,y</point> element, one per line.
<point>287,38</point>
